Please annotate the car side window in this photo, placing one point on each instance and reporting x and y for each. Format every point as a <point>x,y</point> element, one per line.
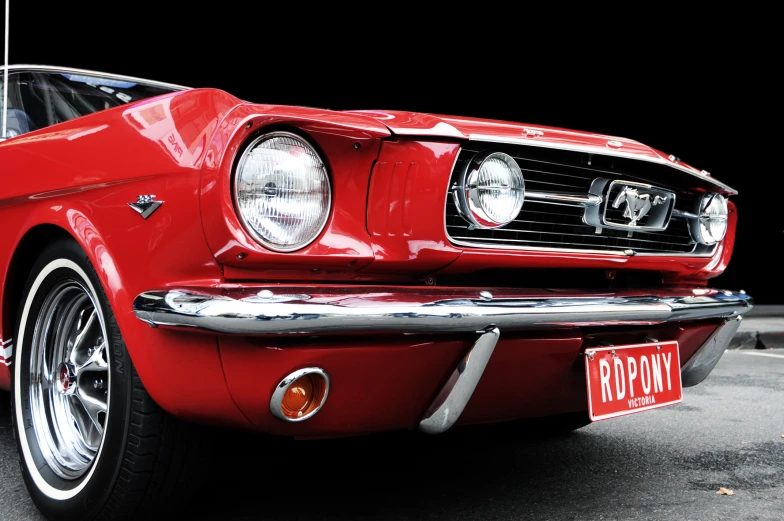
<point>18,121</point>
<point>38,99</point>
<point>47,100</point>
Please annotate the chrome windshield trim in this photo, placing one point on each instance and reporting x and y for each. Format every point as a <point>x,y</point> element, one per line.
<point>597,150</point>
<point>419,310</point>
<point>107,75</point>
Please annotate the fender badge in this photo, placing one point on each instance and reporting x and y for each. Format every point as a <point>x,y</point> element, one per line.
<point>145,205</point>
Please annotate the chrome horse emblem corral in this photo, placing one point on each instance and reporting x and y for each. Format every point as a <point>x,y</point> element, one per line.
<point>145,205</point>
<point>637,205</point>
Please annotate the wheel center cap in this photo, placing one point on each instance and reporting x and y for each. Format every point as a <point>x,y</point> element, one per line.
<point>66,378</point>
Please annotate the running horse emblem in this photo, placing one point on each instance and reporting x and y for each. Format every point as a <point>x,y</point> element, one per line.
<point>637,205</point>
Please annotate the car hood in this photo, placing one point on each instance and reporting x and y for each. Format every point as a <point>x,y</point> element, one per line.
<point>476,129</point>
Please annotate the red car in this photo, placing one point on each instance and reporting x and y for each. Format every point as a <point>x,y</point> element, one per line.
<point>175,254</point>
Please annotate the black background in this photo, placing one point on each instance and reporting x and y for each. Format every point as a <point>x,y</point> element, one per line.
<point>703,90</point>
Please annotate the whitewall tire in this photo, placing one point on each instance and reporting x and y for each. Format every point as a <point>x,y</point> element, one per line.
<point>91,442</point>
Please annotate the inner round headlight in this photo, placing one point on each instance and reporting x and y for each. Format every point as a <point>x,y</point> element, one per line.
<point>491,190</point>
<point>282,191</point>
<point>711,225</point>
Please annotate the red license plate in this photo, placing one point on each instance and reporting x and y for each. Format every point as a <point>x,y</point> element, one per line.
<point>628,379</point>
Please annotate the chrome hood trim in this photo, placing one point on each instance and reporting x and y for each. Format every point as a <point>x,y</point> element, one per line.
<point>417,124</point>
<point>605,151</point>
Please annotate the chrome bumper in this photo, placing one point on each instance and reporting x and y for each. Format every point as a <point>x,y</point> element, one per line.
<point>308,311</point>
<point>311,311</point>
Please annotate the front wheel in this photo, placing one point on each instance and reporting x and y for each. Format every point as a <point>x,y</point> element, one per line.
<point>91,441</point>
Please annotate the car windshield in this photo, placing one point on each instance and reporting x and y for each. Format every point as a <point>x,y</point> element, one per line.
<point>37,99</point>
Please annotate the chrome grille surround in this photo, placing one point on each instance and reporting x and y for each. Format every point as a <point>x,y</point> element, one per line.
<point>559,197</point>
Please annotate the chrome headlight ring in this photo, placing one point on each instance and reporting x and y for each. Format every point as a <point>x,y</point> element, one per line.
<point>710,226</point>
<point>491,190</point>
<point>282,191</point>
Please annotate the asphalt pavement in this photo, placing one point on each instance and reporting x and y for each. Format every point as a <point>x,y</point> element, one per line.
<point>664,464</point>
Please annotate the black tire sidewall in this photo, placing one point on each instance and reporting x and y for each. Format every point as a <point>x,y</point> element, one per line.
<point>88,502</point>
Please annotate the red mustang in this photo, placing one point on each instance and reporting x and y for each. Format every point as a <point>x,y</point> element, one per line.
<point>176,254</point>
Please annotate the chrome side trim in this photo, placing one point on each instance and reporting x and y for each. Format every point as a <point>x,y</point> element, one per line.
<point>705,359</point>
<point>421,310</point>
<point>600,151</point>
<point>453,397</point>
<point>70,70</point>
<point>276,401</point>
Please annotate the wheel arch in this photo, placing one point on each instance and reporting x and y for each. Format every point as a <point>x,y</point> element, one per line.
<point>32,243</point>
<point>28,249</point>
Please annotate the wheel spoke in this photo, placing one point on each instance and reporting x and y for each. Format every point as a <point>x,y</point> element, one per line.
<point>95,362</point>
<point>79,414</point>
<point>83,339</point>
<point>93,406</point>
<point>89,431</point>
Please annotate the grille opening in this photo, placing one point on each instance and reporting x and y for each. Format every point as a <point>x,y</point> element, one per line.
<point>543,225</point>
<point>555,278</point>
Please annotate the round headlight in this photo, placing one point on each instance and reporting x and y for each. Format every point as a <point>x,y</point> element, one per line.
<point>491,190</point>
<point>282,191</point>
<point>711,225</point>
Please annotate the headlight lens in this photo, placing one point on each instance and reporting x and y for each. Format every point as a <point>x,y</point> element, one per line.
<point>491,190</point>
<point>282,191</point>
<point>712,223</point>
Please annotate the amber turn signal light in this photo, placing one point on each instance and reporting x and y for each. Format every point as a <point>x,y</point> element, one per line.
<point>300,395</point>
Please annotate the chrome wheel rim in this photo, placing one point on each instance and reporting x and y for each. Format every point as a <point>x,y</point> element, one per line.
<point>69,379</point>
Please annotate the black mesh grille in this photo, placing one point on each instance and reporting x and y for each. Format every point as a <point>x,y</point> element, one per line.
<point>545,225</point>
